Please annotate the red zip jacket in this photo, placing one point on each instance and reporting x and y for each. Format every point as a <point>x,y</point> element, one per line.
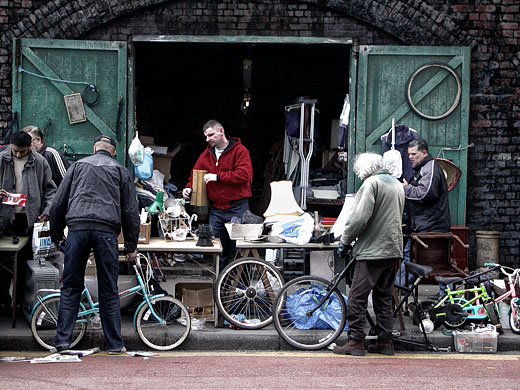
<point>234,170</point>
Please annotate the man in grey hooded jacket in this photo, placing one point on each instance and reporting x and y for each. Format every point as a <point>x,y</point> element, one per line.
<point>22,171</point>
<point>375,221</point>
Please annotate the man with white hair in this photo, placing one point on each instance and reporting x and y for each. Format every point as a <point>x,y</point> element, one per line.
<point>375,222</point>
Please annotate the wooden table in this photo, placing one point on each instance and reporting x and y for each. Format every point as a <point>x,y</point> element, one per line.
<point>250,248</point>
<point>157,244</point>
<point>6,245</point>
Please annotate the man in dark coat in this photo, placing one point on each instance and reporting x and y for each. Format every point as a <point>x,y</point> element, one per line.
<point>95,200</point>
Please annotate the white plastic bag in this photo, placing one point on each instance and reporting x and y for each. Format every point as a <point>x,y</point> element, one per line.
<point>136,151</point>
<point>41,240</point>
<point>294,229</point>
<point>393,163</point>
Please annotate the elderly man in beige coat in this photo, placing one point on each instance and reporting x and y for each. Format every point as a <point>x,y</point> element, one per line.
<point>375,222</point>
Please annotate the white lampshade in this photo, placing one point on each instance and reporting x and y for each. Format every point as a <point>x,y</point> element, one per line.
<point>282,200</point>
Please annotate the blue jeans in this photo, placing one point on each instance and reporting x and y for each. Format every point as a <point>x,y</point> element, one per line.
<point>77,249</point>
<point>400,276</point>
<point>217,219</point>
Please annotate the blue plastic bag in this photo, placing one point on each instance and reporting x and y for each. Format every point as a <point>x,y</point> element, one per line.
<point>326,317</point>
<point>144,171</point>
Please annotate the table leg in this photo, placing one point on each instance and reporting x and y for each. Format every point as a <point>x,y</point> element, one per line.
<point>15,277</point>
<point>216,260</point>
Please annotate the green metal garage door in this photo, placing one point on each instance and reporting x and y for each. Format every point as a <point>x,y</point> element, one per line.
<point>426,88</point>
<point>47,73</point>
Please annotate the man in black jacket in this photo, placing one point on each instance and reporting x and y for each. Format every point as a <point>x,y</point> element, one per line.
<point>57,161</point>
<point>426,196</point>
<point>427,193</point>
<point>95,200</point>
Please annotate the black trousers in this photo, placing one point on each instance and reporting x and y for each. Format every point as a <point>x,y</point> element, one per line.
<point>376,276</point>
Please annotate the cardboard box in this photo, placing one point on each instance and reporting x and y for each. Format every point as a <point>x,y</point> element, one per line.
<point>162,160</point>
<point>144,234</point>
<point>146,141</point>
<point>238,231</point>
<point>162,163</point>
<point>198,298</point>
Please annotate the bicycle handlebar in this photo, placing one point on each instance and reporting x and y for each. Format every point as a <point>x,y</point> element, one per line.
<point>503,269</point>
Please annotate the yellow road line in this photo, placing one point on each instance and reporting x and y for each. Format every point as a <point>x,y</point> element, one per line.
<point>302,354</point>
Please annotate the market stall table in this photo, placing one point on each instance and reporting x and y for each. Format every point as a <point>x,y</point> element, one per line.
<point>293,257</point>
<point>157,244</point>
<point>6,245</point>
<point>247,248</point>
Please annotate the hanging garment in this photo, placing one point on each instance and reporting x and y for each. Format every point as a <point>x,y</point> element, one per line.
<point>403,136</point>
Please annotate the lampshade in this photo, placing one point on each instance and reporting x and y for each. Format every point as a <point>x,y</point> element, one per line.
<point>282,200</point>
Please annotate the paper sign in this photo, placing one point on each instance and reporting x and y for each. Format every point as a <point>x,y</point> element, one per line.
<point>15,199</point>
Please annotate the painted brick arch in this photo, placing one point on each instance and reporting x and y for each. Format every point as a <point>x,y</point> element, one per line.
<point>409,21</point>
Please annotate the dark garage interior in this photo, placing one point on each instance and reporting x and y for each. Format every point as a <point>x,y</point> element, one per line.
<point>180,86</point>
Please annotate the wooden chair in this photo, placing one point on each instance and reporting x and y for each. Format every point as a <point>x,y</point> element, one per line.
<point>436,250</point>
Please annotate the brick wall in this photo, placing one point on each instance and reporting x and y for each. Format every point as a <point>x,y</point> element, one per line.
<point>491,27</point>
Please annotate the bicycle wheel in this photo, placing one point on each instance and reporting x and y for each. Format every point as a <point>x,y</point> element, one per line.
<point>457,323</point>
<point>168,333</point>
<point>301,329</point>
<point>514,319</point>
<point>44,322</point>
<point>245,292</point>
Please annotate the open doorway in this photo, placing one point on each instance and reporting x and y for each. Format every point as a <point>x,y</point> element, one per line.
<point>181,85</point>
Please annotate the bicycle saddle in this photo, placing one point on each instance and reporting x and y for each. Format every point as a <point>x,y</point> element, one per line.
<point>418,269</point>
<point>447,279</point>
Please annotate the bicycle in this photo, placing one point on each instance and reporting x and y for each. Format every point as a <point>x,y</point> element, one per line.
<point>476,303</point>
<point>245,291</point>
<point>161,321</point>
<point>291,317</point>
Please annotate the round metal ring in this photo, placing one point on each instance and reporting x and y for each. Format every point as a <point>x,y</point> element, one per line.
<point>87,91</point>
<point>457,97</point>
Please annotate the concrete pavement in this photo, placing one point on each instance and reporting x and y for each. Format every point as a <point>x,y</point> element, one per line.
<point>210,338</point>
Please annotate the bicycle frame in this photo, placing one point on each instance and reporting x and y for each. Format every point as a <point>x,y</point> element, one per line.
<point>93,307</point>
<point>332,285</point>
<point>512,290</point>
<point>479,311</point>
<point>475,312</point>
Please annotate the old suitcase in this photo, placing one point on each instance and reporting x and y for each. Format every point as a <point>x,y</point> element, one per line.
<point>39,275</point>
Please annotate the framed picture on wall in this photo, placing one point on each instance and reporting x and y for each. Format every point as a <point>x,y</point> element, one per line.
<point>75,109</point>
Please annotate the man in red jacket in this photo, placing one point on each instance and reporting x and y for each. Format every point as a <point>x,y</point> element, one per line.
<point>229,178</point>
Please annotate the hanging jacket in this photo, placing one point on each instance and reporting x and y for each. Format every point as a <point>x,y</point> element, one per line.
<point>403,136</point>
<point>427,198</point>
<point>234,170</point>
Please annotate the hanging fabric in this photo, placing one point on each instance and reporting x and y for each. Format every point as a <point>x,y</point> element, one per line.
<point>392,158</point>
